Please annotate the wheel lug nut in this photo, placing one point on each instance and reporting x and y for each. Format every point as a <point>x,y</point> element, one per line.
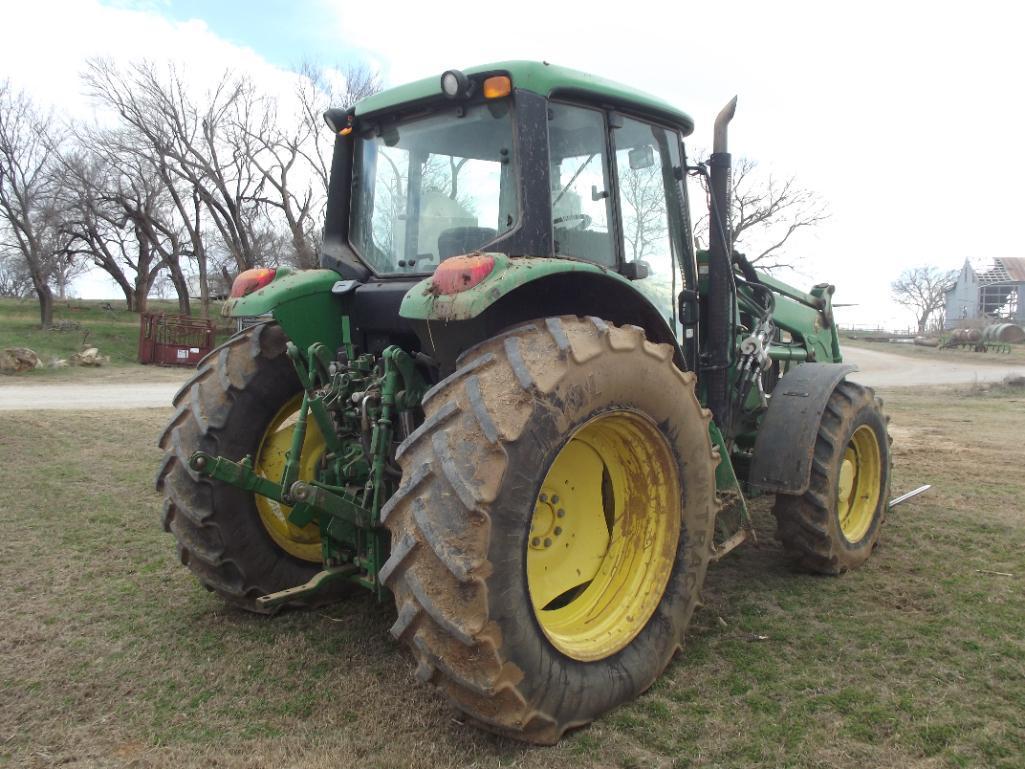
<point>536,541</point>
<point>548,542</point>
<point>561,513</point>
<point>555,499</point>
<point>558,530</point>
<point>543,498</point>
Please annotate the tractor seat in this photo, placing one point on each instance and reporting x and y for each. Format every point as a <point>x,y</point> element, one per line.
<point>462,240</point>
<point>585,244</point>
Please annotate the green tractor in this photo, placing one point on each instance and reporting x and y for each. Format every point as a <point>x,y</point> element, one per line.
<point>518,400</point>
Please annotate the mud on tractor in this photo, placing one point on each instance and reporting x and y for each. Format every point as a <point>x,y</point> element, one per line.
<point>517,400</point>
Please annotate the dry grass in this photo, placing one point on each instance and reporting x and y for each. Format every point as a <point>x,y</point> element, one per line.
<point>111,655</point>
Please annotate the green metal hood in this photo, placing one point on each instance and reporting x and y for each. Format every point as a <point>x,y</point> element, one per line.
<point>541,78</point>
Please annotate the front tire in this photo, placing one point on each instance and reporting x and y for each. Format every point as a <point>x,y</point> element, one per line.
<point>834,526</point>
<point>596,413</point>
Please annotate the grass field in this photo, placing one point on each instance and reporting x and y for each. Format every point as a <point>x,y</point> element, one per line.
<point>115,333</point>
<point>112,655</point>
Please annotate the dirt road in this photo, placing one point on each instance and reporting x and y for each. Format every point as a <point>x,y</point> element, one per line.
<point>80,397</point>
<point>885,369</point>
<point>879,369</point>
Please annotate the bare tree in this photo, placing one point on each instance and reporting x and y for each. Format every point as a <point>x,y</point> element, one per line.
<point>207,147</point>
<point>117,212</point>
<point>15,281</point>
<point>291,185</point>
<point>292,152</point>
<point>29,185</point>
<point>66,267</point>
<point>923,290</point>
<point>317,89</point>
<point>765,213</point>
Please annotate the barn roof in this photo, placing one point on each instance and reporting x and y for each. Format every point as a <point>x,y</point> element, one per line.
<point>1005,269</point>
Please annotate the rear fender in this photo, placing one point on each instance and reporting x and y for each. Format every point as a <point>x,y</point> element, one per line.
<point>301,302</point>
<point>519,289</point>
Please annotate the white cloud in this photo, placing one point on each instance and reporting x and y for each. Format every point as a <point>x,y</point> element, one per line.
<point>55,37</point>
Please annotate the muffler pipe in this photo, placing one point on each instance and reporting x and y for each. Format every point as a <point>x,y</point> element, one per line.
<point>720,297</point>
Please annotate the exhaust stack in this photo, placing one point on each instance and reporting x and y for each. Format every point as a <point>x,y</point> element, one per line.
<point>720,303</point>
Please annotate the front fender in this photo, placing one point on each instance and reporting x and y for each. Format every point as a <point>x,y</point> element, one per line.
<point>301,302</point>
<point>785,445</point>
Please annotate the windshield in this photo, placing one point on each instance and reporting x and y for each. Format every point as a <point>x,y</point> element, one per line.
<point>433,187</point>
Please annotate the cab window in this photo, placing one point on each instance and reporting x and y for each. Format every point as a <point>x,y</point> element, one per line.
<point>581,203</point>
<point>646,155</point>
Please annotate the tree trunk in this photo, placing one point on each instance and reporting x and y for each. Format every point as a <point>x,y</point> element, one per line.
<point>204,284</point>
<point>118,276</point>
<point>181,286</point>
<point>141,295</point>
<point>45,305</point>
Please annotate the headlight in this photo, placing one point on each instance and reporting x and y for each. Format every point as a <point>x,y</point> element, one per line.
<point>454,84</point>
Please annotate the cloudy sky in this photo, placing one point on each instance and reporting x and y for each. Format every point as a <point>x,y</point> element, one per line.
<point>905,116</point>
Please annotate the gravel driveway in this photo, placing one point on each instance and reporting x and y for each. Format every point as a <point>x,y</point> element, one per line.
<point>81,397</point>
<point>886,369</point>
<point>876,368</point>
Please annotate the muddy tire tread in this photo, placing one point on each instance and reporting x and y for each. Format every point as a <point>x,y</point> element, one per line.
<point>438,566</point>
<point>206,532</point>
<point>802,522</point>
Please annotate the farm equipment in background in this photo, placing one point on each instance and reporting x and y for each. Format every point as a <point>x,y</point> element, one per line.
<point>174,340</point>
<point>997,337</point>
<point>517,399</point>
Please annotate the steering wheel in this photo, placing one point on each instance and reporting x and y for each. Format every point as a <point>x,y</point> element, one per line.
<point>584,219</point>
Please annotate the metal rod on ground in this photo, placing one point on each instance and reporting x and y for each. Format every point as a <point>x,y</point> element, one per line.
<point>905,497</point>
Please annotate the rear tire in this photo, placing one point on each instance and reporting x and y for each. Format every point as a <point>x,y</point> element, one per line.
<point>461,522</point>
<point>224,410</point>
<point>824,530</point>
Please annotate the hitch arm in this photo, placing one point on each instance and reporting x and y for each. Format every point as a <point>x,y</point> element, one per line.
<point>316,584</point>
<point>238,474</point>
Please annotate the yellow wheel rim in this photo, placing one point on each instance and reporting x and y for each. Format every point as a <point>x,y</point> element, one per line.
<point>858,487</point>
<point>304,542</point>
<point>604,535</point>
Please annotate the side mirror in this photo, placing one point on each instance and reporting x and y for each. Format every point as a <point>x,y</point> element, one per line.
<point>636,270</point>
<point>690,310</point>
<point>642,157</point>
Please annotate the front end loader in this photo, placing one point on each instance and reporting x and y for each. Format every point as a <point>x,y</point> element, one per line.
<point>517,400</point>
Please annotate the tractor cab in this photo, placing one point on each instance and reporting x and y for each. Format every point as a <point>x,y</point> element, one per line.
<point>522,159</point>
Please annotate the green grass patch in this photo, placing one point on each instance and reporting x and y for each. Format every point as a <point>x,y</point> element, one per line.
<point>79,323</point>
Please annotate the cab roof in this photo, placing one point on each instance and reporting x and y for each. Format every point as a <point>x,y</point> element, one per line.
<point>544,79</point>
